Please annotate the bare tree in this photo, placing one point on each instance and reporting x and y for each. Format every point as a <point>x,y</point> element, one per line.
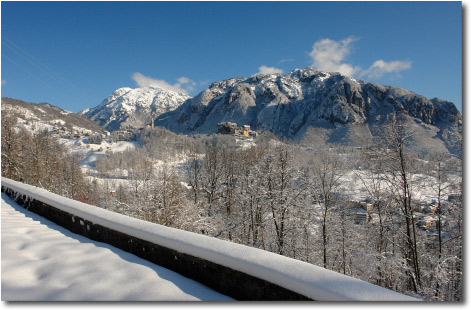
<point>211,173</point>
<point>193,172</point>
<point>395,135</point>
<point>445,170</point>
<point>326,172</point>
<point>285,185</point>
<point>249,197</point>
<point>10,147</point>
<point>167,196</point>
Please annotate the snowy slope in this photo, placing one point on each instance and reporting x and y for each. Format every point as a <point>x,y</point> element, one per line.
<point>43,261</point>
<point>45,116</point>
<point>306,279</point>
<point>134,108</point>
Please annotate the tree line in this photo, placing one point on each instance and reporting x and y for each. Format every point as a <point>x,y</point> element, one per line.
<point>38,159</point>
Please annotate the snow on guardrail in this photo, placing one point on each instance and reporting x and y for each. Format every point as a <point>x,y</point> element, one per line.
<point>306,279</point>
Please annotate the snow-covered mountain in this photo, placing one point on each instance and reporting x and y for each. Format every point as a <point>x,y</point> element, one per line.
<point>133,108</point>
<point>314,107</point>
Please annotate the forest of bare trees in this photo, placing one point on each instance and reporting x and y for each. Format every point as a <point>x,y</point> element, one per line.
<point>38,159</point>
<point>275,196</point>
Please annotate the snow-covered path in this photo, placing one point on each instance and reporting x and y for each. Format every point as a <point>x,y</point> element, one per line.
<point>43,261</point>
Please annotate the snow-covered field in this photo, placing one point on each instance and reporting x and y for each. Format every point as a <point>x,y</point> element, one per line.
<point>90,152</point>
<point>423,186</point>
<point>43,261</point>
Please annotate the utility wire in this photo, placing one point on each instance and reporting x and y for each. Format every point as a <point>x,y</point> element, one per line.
<point>37,78</point>
<point>45,69</point>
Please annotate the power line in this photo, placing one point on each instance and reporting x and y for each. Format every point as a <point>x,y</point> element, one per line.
<point>37,78</point>
<point>45,69</point>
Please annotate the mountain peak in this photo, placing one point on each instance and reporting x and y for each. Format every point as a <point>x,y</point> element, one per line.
<point>134,107</point>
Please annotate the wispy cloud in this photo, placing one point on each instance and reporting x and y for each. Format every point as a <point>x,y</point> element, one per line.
<point>4,82</point>
<point>186,83</point>
<point>183,85</point>
<point>268,70</point>
<point>331,55</point>
<point>381,67</point>
<point>285,60</point>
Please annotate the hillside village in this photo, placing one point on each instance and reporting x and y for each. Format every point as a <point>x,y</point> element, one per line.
<point>91,137</point>
<point>425,212</point>
<point>97,137</point>
<point>232,129</point>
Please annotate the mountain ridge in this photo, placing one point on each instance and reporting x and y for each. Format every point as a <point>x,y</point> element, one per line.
<point>349,103</point>
<point>45,113</point>
<point>289,105</point>
<point>304,104</point>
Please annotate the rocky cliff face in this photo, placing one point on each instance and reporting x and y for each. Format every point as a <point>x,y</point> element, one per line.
<point>291,104</point>
<point>134,108</point>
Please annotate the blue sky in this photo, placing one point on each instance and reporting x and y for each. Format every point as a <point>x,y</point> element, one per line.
<point>74,54</point>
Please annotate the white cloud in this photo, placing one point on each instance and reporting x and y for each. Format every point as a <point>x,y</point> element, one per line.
<point>189,84</point>
<point>381,67</point>
<point>330,55</point>
<point>183,85</point>
<point>183,80</point>
<point>268,70</point>
<point>285,60</point>
<point>4,82</point>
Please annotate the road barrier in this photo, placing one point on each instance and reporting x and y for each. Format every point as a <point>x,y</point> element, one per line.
<point>238,271</point>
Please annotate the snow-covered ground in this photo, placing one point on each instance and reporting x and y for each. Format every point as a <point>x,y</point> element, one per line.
<point>43,261</point>
<point>89,153</point>
<point>309,280</point>
<point>423,186</point>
